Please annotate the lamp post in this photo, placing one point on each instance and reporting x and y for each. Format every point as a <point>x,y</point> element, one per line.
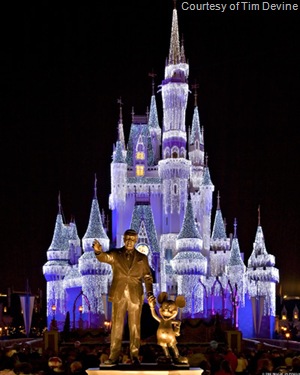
<point>80,309</point>
<point>107,326</point>
<point>287,336</point>
<point>53,308</point>
<point>53,324</point>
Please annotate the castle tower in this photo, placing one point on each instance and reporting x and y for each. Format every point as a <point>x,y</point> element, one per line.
<point>95,275</point>
<point>56,267</point>
<point>121,137</point>
<point>174,168</point>
<point>196,149</point>
<point>74,241</point>
<point>189,264</point>
<point>220,245</point>
<point>117,198</point>
<point>235,271</point>
<point>204,220</point>
<point>153,123</point>
<point>262,278</point>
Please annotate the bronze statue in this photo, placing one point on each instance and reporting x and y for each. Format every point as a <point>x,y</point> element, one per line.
<point>169,326</point>
<point>130,268</point>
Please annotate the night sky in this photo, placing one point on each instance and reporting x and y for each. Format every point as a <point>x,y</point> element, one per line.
<point>64,66</point>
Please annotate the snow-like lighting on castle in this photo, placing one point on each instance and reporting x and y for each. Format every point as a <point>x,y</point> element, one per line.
<point>161,187</point>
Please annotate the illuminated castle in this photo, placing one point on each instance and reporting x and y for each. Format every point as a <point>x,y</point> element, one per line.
<point>161,187</point>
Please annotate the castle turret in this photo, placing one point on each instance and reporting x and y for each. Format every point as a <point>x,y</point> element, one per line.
<point>261,271</point>
<point>118,169</point>
<point>206,190</point>
<point>189,264</point>
<point>121,137</point>
<point>235,269</point>
<point>196,150</point>
<point>219,244</point>
<point>74,243</point>
<point>153,123</point>
<point>174,169</point>
<point>95,275</point>
<point>57,266</point>
<point>262,278</point>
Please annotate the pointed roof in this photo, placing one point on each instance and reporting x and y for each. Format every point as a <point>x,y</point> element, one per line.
<point>206,181</point>
<point>137,130</point>
<point>189,229</point>
<point>219,231</point>
<point>142,213</point>
<point>153,117</point>
<point>73,234</point>
<point>174,51</point>
<point>259,256</point>
<point>118,154</point>
<point>196,130</point>
<point>60,238</point>
<point>261,265</point>
<point>235,254</point>
<point>95,227</point>
<point>259,247</point>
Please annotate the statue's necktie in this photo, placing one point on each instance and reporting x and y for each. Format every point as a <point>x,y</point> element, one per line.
<point>129,257</point>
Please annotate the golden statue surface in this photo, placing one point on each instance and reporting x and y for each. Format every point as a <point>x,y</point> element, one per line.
<point>169,326</point>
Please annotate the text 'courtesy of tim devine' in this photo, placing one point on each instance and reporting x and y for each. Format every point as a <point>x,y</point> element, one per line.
<point>240,6</point>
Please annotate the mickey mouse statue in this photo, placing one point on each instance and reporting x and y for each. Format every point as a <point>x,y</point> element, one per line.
<point>169,327</point>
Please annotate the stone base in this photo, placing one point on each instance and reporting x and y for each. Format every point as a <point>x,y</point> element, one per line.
<point>145,369</point>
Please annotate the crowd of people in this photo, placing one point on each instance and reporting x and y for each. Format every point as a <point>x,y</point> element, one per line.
<point>214,359</point>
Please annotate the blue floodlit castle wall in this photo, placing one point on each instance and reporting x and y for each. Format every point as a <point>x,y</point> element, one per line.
<point>161,187</point>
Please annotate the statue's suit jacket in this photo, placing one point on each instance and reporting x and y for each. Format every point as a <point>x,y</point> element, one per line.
<point>125,276</point>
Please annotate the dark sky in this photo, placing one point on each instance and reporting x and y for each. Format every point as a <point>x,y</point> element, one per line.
<point>63,67</point>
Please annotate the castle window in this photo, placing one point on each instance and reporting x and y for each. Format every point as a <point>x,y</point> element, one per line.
<point>175,152</point>
<point>175,189</point>
<point>140,155</point>
<point>139,170</point>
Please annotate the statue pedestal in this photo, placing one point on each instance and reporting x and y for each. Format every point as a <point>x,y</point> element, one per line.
<point>145,369</point>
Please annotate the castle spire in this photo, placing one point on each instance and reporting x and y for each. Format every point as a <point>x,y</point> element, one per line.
<point>235,255</point>
<point>195,86</point>
<point>174,51</point>
<point>182,52</point>
<point>152,75</point>
<point>118,154</point>
<point>196,133</point>
<point>235,228</point>
<point>59,239</point>
<point>219,231</point>
<point>218,201</point>
<point>121,110</point>
<point>189,228</point>
<point>95,226</point>
<point>121,137</point>
<point>59,204</point>
<point>95,187</point>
